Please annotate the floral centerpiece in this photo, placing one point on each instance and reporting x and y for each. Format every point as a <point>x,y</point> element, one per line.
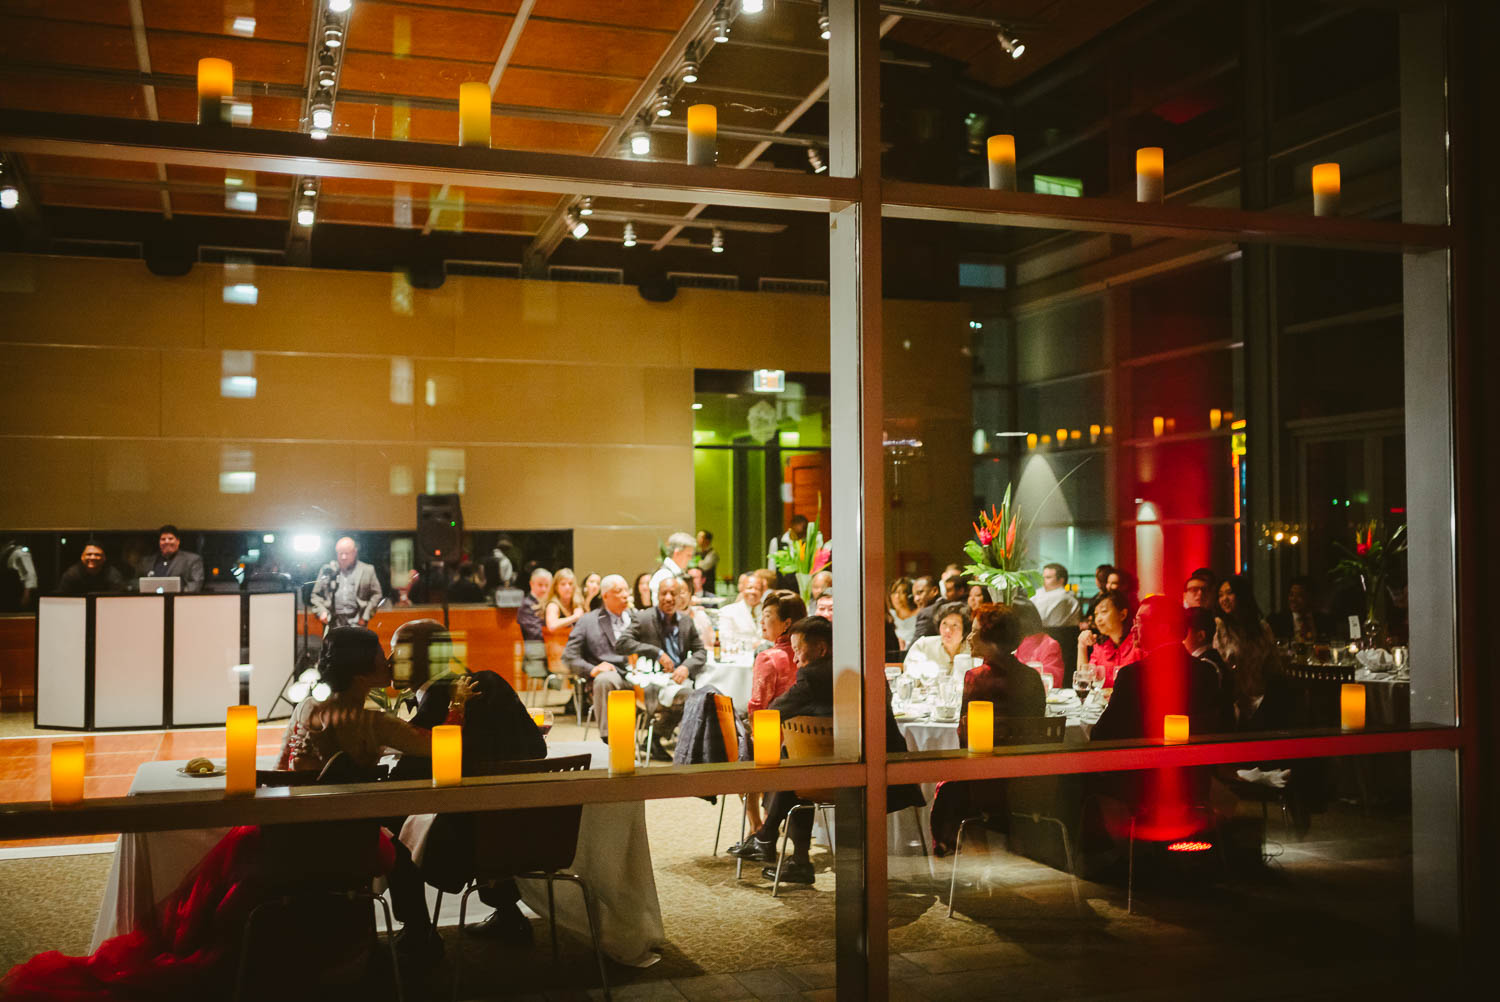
<point>1373,561</point>
<point>998,552</point>
<point>803,557</point>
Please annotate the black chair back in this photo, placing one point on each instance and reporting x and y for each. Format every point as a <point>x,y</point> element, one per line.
<point>1067,639</point>
<point>528,839</point>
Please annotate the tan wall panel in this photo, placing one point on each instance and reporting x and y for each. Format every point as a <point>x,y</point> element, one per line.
<point>329,311</point>
<point>753,330</point>
<point>80,391</point>
<point>626,552</point>
<point>46,483</point>
<point>296,396</point>
<point>389,478</point>
<point>542,321</point>
<point>541,487</point>
<point>54,300</point>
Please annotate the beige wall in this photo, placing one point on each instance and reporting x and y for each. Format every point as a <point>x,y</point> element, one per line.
<point>566,405</point>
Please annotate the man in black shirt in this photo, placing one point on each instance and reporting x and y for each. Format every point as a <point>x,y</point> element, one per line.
<point>91,575</point>
<point>172,561</point>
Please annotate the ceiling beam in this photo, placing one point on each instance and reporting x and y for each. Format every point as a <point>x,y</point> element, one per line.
<point>148,91</point>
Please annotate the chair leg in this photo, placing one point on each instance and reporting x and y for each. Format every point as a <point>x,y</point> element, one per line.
<point>437,908</point>
<point>958,847</point>
<point>828,829</point>
<point>1130,879</point>
<point>719,828</point>
<point>591,912</point>
<point>463,918</point>
<point>390,944</point>
<point>739,861</point>
<point>786,831</point>
<point>244,965</point>
<point>1072,865</point>
<point>916,813</point>
<point>552,915</point>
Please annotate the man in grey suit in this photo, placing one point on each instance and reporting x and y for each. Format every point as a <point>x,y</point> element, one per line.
<point>591,650</point>
<point>172,561</point>
<point>347,592</point>
<point>664,641</point>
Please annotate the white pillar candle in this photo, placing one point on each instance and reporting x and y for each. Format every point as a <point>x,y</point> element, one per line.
<point>1150,165</point>
<point>1002,157</point>
<point>702,134</point>
<point>1325,186</point>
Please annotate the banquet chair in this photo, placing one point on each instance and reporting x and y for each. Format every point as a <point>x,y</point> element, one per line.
<point>1020,798</point>
<point>806,737</point>
<point>645,728</point>
<point>303,860</point>
<point>539,675</point>
<point>724,710</point>
<point>535,843</point>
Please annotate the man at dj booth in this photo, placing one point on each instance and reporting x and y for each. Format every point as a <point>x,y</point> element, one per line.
<point>347,592</point>
<point>171,561</point>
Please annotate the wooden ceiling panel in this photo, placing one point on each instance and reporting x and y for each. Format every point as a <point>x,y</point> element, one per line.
<point>589,49</point>
<point>62,43</point>
<point>660,15</point>
<point>269,62</point>
<point>40,166</point>
<point>367,71</point>
<point>179,104</point>
<point>70,95</point>
<point>424,125</point>
<point>276,20</point>
<point>200,203</point>
<point>403,30</point>
<point>99,196</point>
<point>96,11</point>
<point>356,187</point>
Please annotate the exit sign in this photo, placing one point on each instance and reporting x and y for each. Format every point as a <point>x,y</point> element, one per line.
<point>769,381</point>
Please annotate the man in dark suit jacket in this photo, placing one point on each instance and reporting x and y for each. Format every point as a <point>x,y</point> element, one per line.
<point>171,561</point>
<point>664,640</point>
<point>1300,621</point>
<point>1167,680</point>
<point>925,591</point>
<point>591,652</point>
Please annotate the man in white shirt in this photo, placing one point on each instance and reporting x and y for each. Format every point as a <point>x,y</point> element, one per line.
<point>1058,606</point>
<point>680,549</point>
<point>739,622</point>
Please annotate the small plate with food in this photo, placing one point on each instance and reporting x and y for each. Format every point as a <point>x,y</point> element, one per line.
<point>201,768</point>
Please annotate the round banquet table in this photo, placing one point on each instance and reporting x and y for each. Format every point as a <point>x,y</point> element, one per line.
<point>731,677</point>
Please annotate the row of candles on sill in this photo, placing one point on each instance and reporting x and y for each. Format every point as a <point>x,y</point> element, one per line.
<point>1159,426</point>
<point>216,86</point>
<point>448,743</point>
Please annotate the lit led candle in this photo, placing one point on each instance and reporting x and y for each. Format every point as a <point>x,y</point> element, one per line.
<point>1031,440</point>
<point>1174,729</point>
<point>239,749</point>
<point>215,85</point>
<point>1215,418</point>
<point>538,717</point>
<point>1352,706</point>
<point>981,727</point>
<point>1158,425</point>
<point>767,737</point>
<point>1093,434</point>
<point>1325,186</point>
<point>703,132</point>
<point>621,720</point>
<point>1002,157</point>
<point>447,755</point>
<point>1062,435</point>
<point>474,114</point>
<point>1149,167</point>
<point>67,773</point>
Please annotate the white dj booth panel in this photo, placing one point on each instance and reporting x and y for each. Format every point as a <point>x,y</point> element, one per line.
<point>61,653</point>
<point>205,650</point>
<point>273,640</point>
<point>129,637</point>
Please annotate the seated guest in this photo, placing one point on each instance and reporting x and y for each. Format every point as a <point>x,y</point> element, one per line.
<point>977,595</point>
<point>955,588</point>
<point>591,651</point>
<point>1244,639</point>
<point>1301,622</point>
<point>347,592</point>
<point>706,599</point>
<point>664,640</point>
<point>591,587</point>
<point>467,585</point>
<point>1110,645</point>
<point>1124,582</point>
<point>823,605</point>
<point>925,590</point>
<point>952,639</point>
<point>1055,603</point>
<point>1164,679</point>
<point>497,727</point>
<point>902,607</point>
<point>1101,585</point>
<point>1199,641</point>
<point>91,575</point>
<point>680,549</point>
<point>819,583</point>
<point>1200,592</point>
<point>529,615</point>
<point>640,595</point>
<point>562,607</point>
<point>1013,688</point>
<point>739,620</point>
<point>700,618</point>
<point>708,563</point>
<point>171,561</point>
<point>1036,647</point>
<point>774,672</point>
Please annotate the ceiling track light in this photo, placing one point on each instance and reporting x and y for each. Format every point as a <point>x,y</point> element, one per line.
<point>322,117</point>
<point>340,6</point>
<point>1014,46</point>
<point>586,206</point>
<point>815,160</point>
<point>577,228</point>
<point>328,71</point>
<point>716,243</point>
<point>662,103</point>
<point>10,197</point>
<point>629,240</point>
<point>306,216</point>
<point>333,36</point>
<point>690,65</point>
<point>825,27</point>
<point>640,139</point>
<point>752,6</point>
<point>720,30</point>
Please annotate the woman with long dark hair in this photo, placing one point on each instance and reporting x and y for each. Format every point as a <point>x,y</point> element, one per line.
<point>1244,640</point>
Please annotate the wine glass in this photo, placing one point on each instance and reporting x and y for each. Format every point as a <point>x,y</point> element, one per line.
<point>1083,680</point>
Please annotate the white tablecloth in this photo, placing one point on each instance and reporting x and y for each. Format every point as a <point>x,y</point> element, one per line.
<point>614,856</point>
<point>732,678</point>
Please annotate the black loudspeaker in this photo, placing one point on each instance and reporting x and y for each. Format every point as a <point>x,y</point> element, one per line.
<point>440,528</point>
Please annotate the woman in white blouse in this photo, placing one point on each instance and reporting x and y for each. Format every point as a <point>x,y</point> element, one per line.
<point>952,639</point>
<point>903,610</point>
